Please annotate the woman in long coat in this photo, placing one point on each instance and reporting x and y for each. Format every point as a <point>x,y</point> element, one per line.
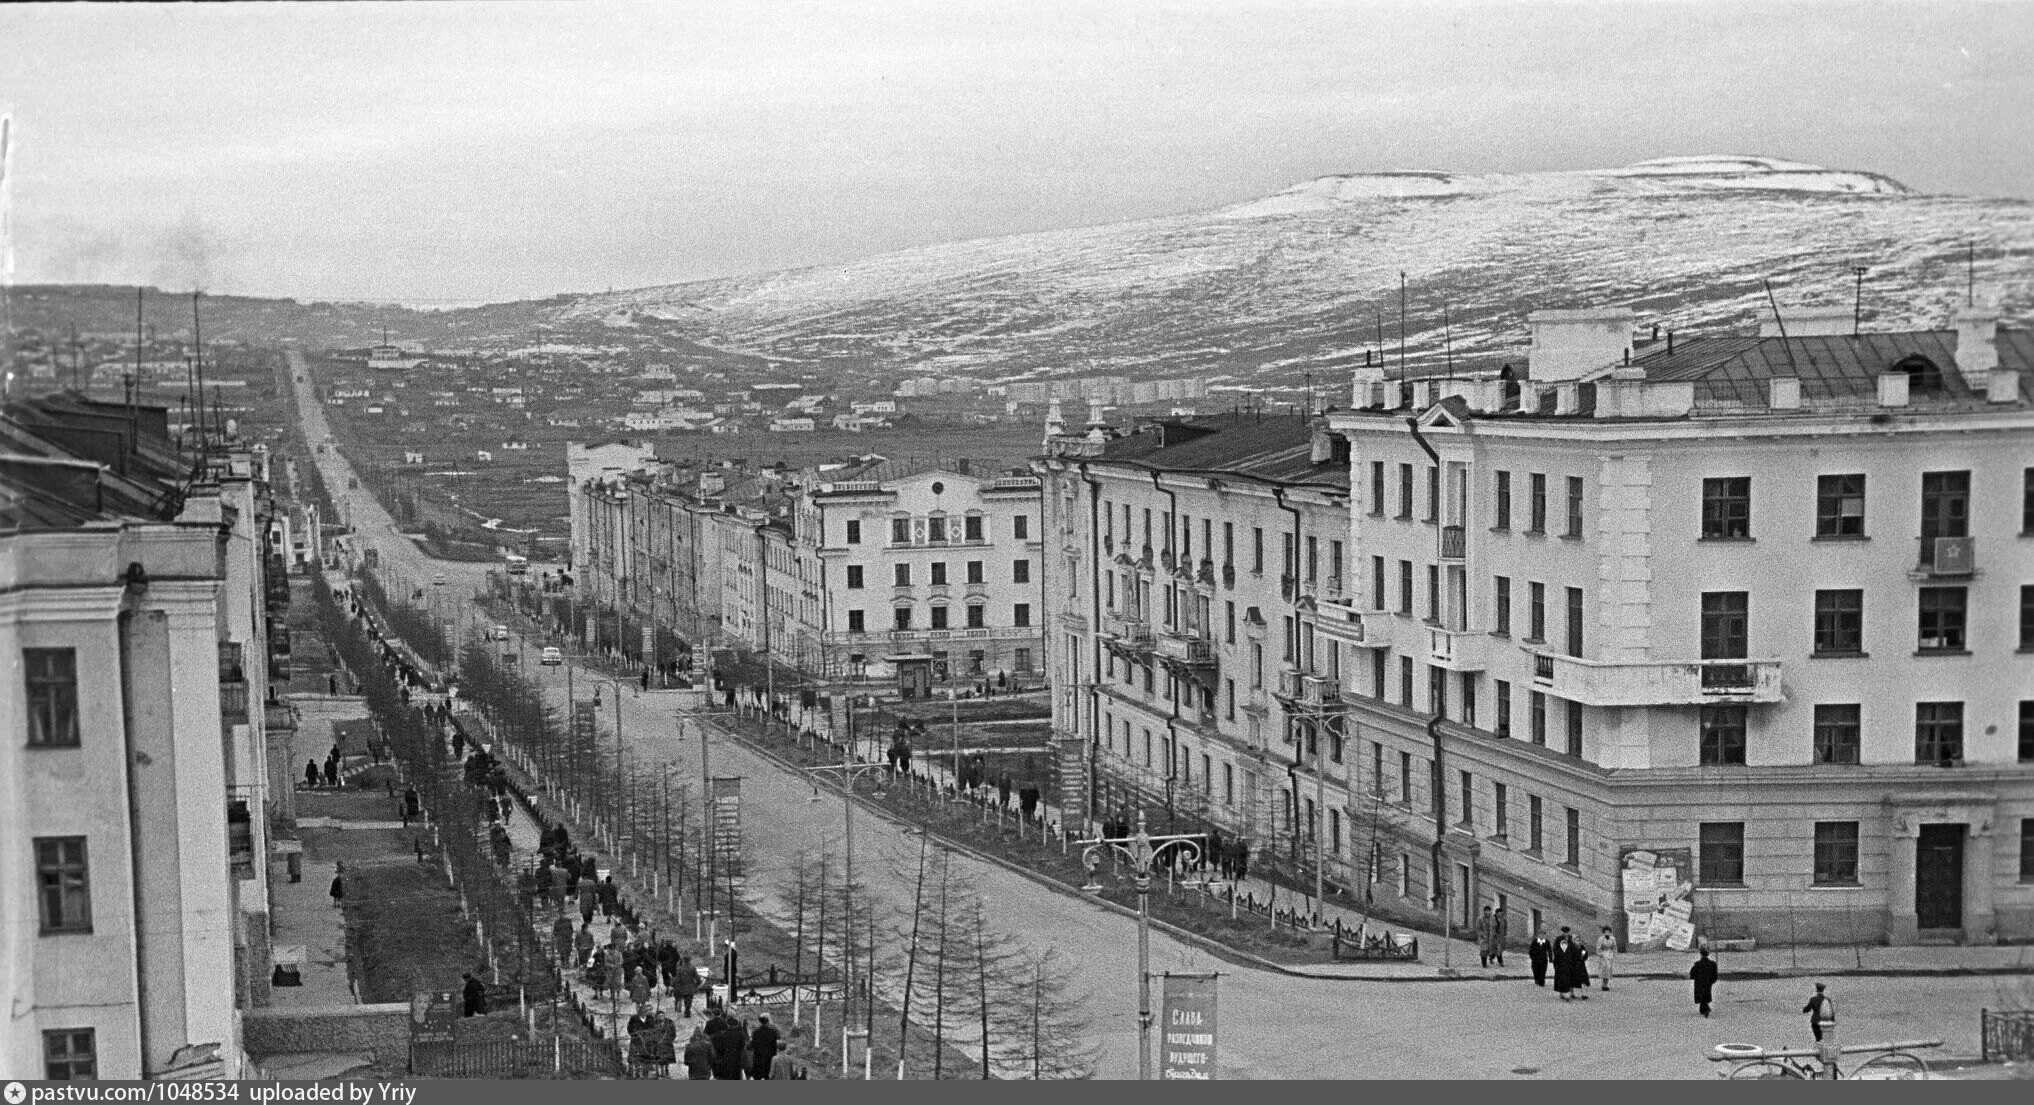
<point>1703,973</point>
<point>1563,953</point>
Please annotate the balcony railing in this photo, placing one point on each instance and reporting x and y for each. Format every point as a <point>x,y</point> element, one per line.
<point>1135,632</point>
<point>1452,543</point>
<point>1656,683</point>
<point>1458,649</point>
<point>1186,648</point>
<point>233,701</point>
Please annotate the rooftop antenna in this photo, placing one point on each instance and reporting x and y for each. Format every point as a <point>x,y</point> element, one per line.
<point>1782,323</point>
<point>1857,302</point>
<point>1401,324</point>
<point>1380,339</point>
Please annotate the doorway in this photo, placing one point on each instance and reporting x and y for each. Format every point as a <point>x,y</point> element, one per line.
<point>1938,877</point>
<point>1467,910</point>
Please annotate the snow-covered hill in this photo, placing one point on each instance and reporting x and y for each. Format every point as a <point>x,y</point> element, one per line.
<point>1307,278</point>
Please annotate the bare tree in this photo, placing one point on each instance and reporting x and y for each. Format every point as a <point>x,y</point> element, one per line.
<point>1041,1024</point>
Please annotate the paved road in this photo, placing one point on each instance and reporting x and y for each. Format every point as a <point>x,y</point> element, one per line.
<point>1271,1025</point>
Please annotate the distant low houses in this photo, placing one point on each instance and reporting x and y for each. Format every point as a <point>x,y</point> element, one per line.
<point>800,424</point>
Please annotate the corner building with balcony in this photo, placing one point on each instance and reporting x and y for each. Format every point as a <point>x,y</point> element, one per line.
<point>1764,601</point>
<point>1191,560</point>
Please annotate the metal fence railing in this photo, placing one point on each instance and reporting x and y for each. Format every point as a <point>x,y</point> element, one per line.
<point>2006,1035</point>
<point>556,1056</point>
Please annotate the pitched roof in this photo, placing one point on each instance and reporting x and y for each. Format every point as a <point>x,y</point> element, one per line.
<point>1736,369</point>
<point>1271,448</point>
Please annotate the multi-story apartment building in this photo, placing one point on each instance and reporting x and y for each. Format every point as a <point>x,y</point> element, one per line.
<point>1192,559</point>
<point>942,565</point>
<point>1763,604</point>
<point>136,799</point>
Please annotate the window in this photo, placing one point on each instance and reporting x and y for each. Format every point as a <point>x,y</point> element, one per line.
<point>1502,598</point>
<point>2027,849</point>
<point>1726,623</point>
<point>1574,506</point>
<point>1839,622</point>
<point>1405,491</point>
<point>1229,686</point>
<point>854,532</point>
<point>1836,853</point>
<point>1313,559</point>
<point>902,574</point>
<point>1433,592</point>
<point>900,531</point>
<point>1726,509</point>
<point>1020,527</point>
<point>1722,735</point>
<point>1376,770</point>
<point>1405,587</point>
<point>2027,617</point>
<point>1503,497</point>
<point>52,697</point>
<point>939,573</point>
<point>1256,665</point>
<point>1503,708</point>
<point>1500,810</point>
<point>63,879</point>
<point>1020,615</point>
<point>1839,506</point>
<point>1405,778</point>
<point>1537,702</point>
<point>1257,549</point>
<point>1468,787</point>
<point>1022,660</point>
<point>1377,488</point>
<point>1536,612</point>
<point>1938,733</point>
<point>1719,859</point>
<point>975,615</point>
<point>1574,715</point>
<point>1836,733</point>
<point>854,577</point>
<point>1942,619</point>
<point>939,617</point>
<point>903,614</point>
<point>1468,698</point>
<point>2026,732</point>
<point>1433,494</point>
<point>1020,571</point>
<point>1335,561</point>
<point>1228,544</point>
<point>935,529</point>
<point>1377,601</point>
<point>1228,623</point>
<point>974,571</point>
<point>1573,851</point>
<point>70,1055</point>
<point>971,528</point>
<point>1574,597</point>
<point>1538,503</point>
<point>1405,681</point>
<point>1534,818</point>
<point>1945,509</point>
<point>2027,507</point>
<point>855,622</point>
<point>1228,784</point>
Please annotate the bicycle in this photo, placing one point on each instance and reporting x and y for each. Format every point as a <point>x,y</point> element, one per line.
<point>1888,1061</point>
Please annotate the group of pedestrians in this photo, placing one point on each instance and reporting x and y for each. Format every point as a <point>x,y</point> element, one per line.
<point>728,1049</point>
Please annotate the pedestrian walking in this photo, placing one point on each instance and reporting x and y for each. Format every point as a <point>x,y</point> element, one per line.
<point>561,939</point>
<point>332,771</point>
<point>640,987</point>
<point>1500,928</point>
<point>610,897</point>
<point>783,1067</point>
<point>582,944</point>
<point>1821,1010</point>
<point>1571,979</point>
<point>338,885</point>
<point>332,685</point>
<point>646,678</point>
<point>698,1055</point>
<point>1485,927</point>
<point>589,899</point>
<point>476,996</point>
<point>310,773</point>
<point>1606,956</point>
<point>686,987</point>
<point>730,1050</point>
<point>1541,954</point>
<point>1703,974</point>
<point>762,1048</point>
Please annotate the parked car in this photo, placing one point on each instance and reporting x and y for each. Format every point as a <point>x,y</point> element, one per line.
<point>498,632</point>
<point>552,657</point>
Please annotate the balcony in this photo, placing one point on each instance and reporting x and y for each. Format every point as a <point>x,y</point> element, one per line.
<point>1339,619</point>
<point>1946,558</point>
<point>1458,649</point>
<point>1186,648</point>
<point>1655,683</point>
<point>1453,543</point>
<point>1304,691</point>
<point>232,684</point>
<point>1132,632</point>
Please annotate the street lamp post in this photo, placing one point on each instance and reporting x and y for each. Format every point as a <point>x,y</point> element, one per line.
<point>1142,850</point>
<point>614,819</point>
<point>848,771</point>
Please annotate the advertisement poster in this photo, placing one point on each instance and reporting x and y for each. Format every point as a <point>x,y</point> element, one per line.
<point>1187,1022</point>
<point>1657,887</point>
<point>726,799</point>
<point>432,1014</point>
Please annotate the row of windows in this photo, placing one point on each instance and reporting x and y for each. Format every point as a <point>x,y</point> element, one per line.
<point>901,575</point>
<point>977,617</point>
<point>1840,506</point>
<point>1942,622</point>
<point>1536,504</point>
<point>1720,853</point>
<point>938,527</point>
<point>1938,733</point>
<point>1294,563</point>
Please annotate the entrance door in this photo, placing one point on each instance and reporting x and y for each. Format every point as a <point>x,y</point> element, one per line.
<point>1938,877</point>
<point>1467,910</point>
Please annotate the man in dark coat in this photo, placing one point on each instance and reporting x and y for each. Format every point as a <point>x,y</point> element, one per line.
<point>1821,1011</point>
<point>730,1048</point>
<point>610,897</point>
<point>561,938</point>
<point>762,1048</point>
<point>699,1056</point>
<point>1703,973</point>
<point>1541,953</point>
<point>476,996</point>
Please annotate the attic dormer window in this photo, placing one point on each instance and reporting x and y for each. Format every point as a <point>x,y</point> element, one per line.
<point>1923,375</point>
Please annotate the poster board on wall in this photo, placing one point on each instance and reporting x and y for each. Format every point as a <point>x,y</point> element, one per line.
<point>1657,898</point>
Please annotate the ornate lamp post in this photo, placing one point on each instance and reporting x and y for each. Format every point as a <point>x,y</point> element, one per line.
<point>846,772</point>
<point>1142,850</point>
<point>614,823</point>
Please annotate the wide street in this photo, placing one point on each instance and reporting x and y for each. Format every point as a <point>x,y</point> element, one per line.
<point>1271,1025</point>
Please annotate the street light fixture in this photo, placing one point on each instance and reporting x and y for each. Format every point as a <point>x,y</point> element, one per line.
<point>614,821</point>
<point>1142,850</point>
<point>847,771</point>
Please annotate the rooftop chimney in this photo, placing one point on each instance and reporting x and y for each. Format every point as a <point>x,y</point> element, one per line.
<point>1893,389</point>
<point>1785,393</point>
<point>1568,345</point>
<point>1977,344</point>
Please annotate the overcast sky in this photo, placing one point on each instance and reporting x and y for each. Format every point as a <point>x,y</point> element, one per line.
<point>491,151</point>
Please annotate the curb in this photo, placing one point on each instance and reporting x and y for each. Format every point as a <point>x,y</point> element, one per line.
<point>1235,955</point>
